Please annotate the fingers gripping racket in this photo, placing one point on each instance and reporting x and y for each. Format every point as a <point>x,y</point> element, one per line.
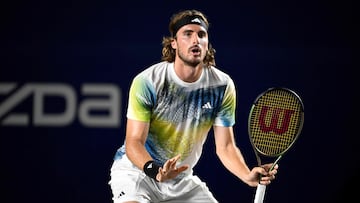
<point>275,121</point>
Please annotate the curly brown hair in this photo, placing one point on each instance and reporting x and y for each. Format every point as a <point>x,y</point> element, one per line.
<point>168,53</point>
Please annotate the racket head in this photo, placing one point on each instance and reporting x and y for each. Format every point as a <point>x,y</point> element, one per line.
<point>275,121</point>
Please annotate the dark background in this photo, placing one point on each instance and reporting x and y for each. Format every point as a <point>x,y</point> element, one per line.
<point>303,45</point>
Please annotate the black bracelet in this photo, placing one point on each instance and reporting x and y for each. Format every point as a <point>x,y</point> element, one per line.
<point>151,169</point>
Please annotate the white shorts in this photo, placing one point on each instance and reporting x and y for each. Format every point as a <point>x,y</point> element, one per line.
<point>128,183</point>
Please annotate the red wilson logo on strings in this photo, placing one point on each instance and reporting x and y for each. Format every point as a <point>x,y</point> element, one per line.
<point>270,117</point>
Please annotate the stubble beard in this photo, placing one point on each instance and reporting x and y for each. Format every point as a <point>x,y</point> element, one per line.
<point>188,62</point>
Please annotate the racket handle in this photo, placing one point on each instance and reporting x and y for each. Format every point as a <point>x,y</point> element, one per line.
<point>260,193</point>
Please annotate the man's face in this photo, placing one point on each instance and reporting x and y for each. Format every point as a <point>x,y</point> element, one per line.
<point>191,44</point>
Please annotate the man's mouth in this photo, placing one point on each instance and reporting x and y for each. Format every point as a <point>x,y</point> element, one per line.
<point>195,50</point>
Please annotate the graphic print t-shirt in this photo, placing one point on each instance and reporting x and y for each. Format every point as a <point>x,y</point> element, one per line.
<point>180,113</point>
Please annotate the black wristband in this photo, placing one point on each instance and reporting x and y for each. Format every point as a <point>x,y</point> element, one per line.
<point>151,169</point>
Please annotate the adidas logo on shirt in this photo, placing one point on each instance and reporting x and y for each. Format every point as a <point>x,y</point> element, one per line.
<point>207,106</point>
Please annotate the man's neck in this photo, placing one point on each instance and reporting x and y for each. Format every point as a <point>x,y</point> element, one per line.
<point>188,73</point>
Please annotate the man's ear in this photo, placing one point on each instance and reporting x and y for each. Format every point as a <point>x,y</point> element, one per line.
<point>173,43</point>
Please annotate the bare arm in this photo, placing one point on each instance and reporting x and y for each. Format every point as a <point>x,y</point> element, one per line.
<point>232,158</point>
<point>136,133</point>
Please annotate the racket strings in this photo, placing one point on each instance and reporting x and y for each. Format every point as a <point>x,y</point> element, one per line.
<point>275,122</point>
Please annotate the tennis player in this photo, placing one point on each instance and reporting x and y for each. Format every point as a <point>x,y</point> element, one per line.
<point>172,107</point>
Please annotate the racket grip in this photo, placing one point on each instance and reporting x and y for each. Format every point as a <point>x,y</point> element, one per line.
<point>260,193</point>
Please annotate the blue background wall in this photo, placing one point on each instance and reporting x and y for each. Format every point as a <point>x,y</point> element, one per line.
<point>303,45</point>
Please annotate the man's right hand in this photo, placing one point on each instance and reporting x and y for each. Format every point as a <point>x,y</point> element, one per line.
<point>170,170</point>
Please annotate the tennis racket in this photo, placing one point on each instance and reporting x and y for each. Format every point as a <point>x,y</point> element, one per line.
<point>275,122</point>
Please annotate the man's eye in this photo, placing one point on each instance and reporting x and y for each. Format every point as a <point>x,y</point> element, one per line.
<point>202,34</point>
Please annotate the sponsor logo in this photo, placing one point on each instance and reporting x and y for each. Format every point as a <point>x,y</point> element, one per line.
<point>207,106</point>
<point>277,121</point>
<point>94,105</point>
<point>196,20</point>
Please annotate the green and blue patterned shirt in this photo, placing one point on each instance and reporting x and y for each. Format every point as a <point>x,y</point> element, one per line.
<point>180,113</point>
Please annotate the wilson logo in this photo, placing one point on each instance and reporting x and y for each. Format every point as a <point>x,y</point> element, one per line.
<point>32,104</point>
<point>270,117</point>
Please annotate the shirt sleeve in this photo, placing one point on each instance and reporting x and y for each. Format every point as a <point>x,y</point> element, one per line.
<point>226,115</point>
<point>141,99</point>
